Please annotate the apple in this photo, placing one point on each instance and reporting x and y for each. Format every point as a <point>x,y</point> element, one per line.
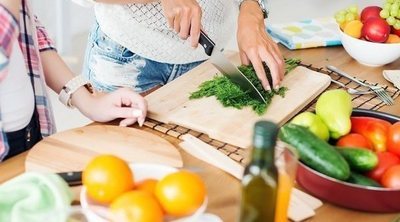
<point>314,123</point>
<point>370,12</point>
<point>375,30</point>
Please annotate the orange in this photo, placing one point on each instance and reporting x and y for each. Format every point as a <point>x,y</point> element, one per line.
<point>136,206</point>
<point>106,177</point>
<point>181,193</point>
<point>353,29</point>
<point>393,38</point>
<point>148,185</point>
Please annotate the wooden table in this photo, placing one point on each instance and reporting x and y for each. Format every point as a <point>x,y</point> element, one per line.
<point>223,189</point>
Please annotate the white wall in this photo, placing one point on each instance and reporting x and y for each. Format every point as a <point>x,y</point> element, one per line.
<point>292,10</point>
<point>64,20</point>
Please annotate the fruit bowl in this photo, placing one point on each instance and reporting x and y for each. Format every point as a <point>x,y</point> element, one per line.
<point>99,213</point>
<point>370,53</point>
<point>348,195</point>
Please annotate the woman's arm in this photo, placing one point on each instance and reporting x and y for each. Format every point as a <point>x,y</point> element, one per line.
<point>256,46</point>
<point>119,1</point>
<point>183,16</point>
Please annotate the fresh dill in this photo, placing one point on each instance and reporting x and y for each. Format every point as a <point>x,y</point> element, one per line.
<point>230,95</point>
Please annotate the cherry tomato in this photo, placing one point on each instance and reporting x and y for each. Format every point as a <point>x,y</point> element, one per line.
<point>393,143</point>
<point>391,177</point>
<point>354,140</point>
<point>385,160</point>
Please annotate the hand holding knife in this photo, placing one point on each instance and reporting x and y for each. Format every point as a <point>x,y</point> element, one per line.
<point>227,68</point>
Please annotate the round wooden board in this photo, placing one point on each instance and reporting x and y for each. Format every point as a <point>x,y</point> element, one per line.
<point>71,150</point>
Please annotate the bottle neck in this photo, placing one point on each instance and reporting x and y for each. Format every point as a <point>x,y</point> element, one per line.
<point>263,157</point>
<point>264,141</point>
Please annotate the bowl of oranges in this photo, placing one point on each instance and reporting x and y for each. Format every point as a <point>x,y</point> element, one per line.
<point>114,190</point>
<point>371,37</point>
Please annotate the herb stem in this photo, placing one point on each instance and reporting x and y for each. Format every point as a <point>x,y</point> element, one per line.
<point>230,95</point>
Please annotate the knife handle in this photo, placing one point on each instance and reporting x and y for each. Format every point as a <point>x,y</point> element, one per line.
<point>72,178</point>
<point>206,42</point>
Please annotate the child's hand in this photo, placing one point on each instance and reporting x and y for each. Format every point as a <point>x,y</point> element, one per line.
<point>122,103</point>
<point>184,16</point>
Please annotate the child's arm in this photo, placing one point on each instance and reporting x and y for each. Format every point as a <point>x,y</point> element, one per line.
<point>122,103</point>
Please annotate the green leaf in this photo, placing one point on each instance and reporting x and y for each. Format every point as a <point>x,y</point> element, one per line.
<point>230,95</point>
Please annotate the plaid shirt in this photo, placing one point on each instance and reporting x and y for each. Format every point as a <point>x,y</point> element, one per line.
<point>33,39</point>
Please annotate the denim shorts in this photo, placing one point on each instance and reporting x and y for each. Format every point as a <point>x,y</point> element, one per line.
<point>108,66</point>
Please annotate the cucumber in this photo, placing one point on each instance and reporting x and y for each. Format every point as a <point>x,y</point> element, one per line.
<point>362,180</point>
<point>314,152</point>
<point>359,159</point>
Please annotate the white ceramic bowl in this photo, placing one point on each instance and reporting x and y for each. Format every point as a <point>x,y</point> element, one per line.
<point>97,213</point>
<point>370,53</point>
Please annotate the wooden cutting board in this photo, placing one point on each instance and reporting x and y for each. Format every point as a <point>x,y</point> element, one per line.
<point>171,104</point>
<point>71,150</point>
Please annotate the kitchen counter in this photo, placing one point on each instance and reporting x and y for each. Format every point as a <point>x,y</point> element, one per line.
<point>223,189</point>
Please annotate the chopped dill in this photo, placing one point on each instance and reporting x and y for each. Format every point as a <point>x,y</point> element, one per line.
<point>230,95</point>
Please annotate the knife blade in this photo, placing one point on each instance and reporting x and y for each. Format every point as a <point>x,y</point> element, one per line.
<point>72,178</point>
<point>227,68</point>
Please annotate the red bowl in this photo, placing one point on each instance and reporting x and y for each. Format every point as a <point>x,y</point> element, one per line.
<point>348,195</point>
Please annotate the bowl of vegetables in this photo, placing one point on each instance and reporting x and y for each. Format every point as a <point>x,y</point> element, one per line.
<point>366,190</point>
<point>357,168</point>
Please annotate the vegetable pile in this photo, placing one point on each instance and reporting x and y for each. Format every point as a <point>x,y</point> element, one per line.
<point>231,95</point>
<point>357,149</point>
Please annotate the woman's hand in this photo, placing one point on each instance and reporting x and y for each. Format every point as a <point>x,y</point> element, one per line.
<point>122,103</point>
<point>255,46</point>
<point>184,16</point>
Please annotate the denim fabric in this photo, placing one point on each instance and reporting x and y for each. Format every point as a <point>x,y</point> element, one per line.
<point>108,66</point>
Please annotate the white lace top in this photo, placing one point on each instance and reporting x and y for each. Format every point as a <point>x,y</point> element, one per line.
<point>143,29</point>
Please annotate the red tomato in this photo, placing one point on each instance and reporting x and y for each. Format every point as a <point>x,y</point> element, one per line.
<point>391,178</point>
<point>354,140</point>
<point>393,139</point>
<point>385,160</point>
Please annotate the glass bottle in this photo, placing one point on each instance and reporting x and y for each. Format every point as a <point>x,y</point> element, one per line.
<point>260,180</point>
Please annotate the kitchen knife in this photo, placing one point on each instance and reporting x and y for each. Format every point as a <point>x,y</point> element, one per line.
<point>227,68</point>
<point>72,178</point>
